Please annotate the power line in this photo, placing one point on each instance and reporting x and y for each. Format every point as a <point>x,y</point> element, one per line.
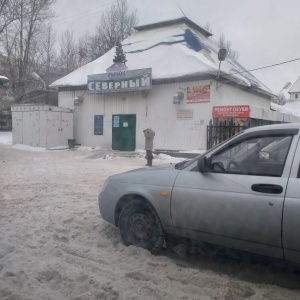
<point>270,66</point>
<point>81,14</point>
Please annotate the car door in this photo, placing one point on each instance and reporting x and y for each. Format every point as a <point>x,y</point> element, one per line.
<point>291,213</point>
<point>237,202</point>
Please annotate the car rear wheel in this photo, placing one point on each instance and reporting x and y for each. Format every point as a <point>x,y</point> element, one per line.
<point>140,226</point>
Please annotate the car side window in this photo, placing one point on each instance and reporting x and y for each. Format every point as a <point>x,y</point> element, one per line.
<point>262,156</point>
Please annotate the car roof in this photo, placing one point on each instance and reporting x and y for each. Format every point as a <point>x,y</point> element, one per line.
<point>274,127</point>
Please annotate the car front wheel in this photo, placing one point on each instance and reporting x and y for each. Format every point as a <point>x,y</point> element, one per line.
<point>140,226</point>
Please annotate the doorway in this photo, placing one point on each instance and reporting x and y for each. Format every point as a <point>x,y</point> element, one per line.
<point>123,132</point>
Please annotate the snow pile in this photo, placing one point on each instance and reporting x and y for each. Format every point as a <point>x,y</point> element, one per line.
<point>5,138</point>
<point>168,159</point>
<point>28,148</point>
<point>54,244</point>
<point>291,107</point>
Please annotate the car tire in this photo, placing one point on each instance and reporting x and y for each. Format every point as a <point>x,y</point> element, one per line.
<point>140,226</point>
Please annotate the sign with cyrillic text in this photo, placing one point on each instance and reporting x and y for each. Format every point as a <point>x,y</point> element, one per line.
<point>131,80</point>
<point>98,125</point>
<point>238,111</point>
<point>198,94</point>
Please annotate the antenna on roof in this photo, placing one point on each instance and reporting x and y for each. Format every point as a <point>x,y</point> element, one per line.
<point>180,9</point>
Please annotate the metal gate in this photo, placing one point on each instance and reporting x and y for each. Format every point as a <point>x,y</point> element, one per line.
<point>216,134</point>
<point>223,130</point>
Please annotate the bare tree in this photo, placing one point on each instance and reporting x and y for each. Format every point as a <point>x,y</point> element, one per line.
<point>68,57</point>
<point>115,24</point>
<point>280,99</point>
<point>44,54</point>
<point>21,39</point>
<point>8,13</point>
<point>84,51</point>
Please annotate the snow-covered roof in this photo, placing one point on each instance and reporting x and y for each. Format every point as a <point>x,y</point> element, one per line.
<point>291,107</point>
<point>172,22</point>
<point>175,51</point>
<point>295,87</point>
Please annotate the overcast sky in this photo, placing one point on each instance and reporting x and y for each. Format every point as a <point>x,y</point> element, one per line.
<point>264,32</point>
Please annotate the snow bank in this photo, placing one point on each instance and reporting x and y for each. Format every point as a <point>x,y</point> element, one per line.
<point>5,138</point>
<point>54,244</point>
<point>291,107</point>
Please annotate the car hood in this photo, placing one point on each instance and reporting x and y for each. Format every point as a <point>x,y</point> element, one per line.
<point>161,175</point>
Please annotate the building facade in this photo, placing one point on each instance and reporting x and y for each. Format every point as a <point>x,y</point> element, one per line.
<point>187,92</point>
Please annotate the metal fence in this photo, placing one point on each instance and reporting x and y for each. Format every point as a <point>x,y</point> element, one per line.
<point>216,134</point>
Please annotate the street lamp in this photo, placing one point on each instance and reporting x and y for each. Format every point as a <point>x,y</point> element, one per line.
<point>221,57</point>
<point>38,78</point>
<point>288,84</point>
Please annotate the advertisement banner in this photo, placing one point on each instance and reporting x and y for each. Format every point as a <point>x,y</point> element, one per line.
<point>237,111</point>
<point>127,80</point>
<point>198,94</point>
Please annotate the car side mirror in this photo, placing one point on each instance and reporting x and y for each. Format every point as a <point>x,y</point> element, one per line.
<point>202,164</point>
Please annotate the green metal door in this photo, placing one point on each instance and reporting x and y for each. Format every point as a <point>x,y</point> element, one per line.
<point>123,132</point>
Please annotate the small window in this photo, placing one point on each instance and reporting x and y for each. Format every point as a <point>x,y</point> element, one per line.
<point>260,156</point>
<point>296,96</point>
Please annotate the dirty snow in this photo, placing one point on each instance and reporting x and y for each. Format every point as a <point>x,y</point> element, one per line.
<point>55,246</point>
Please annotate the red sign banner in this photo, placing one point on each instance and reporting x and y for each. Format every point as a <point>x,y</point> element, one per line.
<point>238,111</point>
<point>198,94</point>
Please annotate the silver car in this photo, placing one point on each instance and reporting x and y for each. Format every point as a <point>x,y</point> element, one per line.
<point>243,194</point>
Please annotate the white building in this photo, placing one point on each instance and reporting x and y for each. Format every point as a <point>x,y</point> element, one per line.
<point>178,99</point>
<point>294,91</point>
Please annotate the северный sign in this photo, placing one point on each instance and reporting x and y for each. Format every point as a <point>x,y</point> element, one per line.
<point>238,111</point>
<point>131,80</point>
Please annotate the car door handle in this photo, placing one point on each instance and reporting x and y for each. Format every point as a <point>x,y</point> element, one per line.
<point>267,188</point>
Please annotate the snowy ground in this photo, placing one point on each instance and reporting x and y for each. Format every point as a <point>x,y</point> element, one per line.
<point>54,245</point>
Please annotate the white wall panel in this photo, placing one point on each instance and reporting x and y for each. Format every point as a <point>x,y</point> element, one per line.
<point>66,128</point>
<point>230,95</point>
<point>42,126</point>
<point>43,129</point>
<point>17,127</point>
<point>158,112</point>
<point>31,128</point>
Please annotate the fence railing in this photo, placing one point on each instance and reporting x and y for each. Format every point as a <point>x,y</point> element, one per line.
<point>216,134</point>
